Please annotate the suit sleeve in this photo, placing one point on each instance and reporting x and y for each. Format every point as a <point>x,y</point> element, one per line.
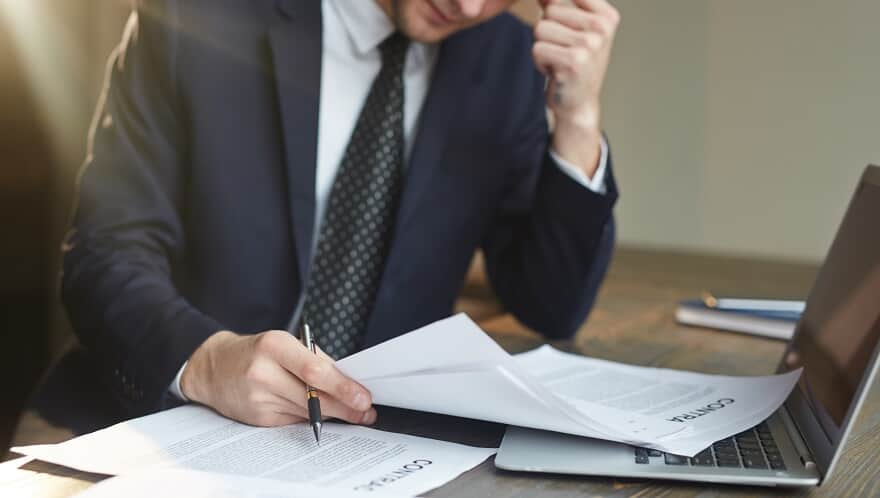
<point>551,241</point>
<point>127,238</point>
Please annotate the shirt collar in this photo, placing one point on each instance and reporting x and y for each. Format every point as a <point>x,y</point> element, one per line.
<point>368,26</point>
<point>365,22</point>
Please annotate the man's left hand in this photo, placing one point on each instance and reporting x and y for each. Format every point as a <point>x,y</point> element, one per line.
<point>572,46</point>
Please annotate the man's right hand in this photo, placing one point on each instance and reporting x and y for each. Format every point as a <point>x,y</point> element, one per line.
<point>261,380</point>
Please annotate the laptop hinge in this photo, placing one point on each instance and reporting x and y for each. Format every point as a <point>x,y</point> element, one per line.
<point>797,439</point>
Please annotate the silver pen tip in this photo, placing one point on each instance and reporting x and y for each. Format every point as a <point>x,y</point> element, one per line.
<point>317,428</point>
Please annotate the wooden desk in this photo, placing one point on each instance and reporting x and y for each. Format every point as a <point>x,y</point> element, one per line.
<point>633,323</point>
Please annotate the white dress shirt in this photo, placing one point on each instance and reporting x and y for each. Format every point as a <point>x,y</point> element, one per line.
<point>352,33</point>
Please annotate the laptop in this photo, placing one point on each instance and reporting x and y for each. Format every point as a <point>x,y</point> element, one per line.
<point>836,342</point>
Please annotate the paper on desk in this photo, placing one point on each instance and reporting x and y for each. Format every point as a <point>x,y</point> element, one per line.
<point>19,482</point>
<point>709,407</point>
<point>9,467</point>
<point>179,483</point>
<point>194,437</point>
<point>452,367</point>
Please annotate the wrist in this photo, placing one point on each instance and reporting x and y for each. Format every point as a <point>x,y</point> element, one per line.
<point>201,367</point>
<point>583,119</point>
<point>578,142</point>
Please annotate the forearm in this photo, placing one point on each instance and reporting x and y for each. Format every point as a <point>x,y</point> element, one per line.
<point>579,142</point>
<point>127,234</point>
<point>546,265</point>
<point>127,312</point>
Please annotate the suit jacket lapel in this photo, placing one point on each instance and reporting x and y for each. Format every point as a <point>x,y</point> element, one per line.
<point>296,54</point>
<point>453,75</point>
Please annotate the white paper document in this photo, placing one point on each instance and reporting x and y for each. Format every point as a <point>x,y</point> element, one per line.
<point>179,483</point>
<point>12,467</point>
<point>707,407</point>
<point>196,438</point>
<point>453,367</point>
<point>18,482</point>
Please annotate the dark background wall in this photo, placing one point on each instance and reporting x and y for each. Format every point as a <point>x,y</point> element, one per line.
<point>52,56</point>
<point>25,184</point>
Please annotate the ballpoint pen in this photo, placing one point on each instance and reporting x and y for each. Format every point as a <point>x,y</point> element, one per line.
<point>312,393</point>
<point>768,305</point>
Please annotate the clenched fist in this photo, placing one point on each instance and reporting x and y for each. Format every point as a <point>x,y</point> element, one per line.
<point>260,380</point>
<point>572,47</point>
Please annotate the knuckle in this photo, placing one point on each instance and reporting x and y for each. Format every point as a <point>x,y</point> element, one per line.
<point>255,373</point>
<point>608,29</point>
<point>584,40</point>
<point>278,338</point>
<point>347,390</point>
<point>264,342</point>
<point>579,58</point>
<point>614,15</point>
<point>313,372</point>
<point>353,416</point>
<point>537,50</point>
<point>541,28</point>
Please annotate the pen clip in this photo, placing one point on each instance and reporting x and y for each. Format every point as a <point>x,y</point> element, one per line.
<point>306,336</point>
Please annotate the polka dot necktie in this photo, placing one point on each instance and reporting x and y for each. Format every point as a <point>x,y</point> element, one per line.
<point>356,232</point>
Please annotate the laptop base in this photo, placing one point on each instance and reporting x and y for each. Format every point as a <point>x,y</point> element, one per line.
<point>541,451</point>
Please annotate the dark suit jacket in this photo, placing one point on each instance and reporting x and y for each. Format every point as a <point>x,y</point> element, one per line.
<point>196,203</point>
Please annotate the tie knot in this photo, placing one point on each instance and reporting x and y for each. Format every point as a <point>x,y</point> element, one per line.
<point>394,49</point>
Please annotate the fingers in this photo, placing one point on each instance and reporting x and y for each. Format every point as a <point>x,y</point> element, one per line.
<point>598,6</point>
<point>273,419</point>
<point>577,20</point>
<point>294,401</point>
<point>288,393</point>
<point>322,374</point>
<point>264,409</point>
<point>274,415</point>
<point>558,61</point>
<point>572,41</point>
<point>556,32</point>
<point>283,408</point>
<point>332,408</point>
<point>314,370</point>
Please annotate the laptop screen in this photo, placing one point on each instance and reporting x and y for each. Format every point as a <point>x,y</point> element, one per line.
<point>838,333</point>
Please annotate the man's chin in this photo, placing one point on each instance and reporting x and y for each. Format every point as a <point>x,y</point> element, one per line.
<point>425,32</point>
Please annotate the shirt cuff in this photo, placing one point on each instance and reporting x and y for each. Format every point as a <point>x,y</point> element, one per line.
<point>174,388</point>
<point>597,183</point>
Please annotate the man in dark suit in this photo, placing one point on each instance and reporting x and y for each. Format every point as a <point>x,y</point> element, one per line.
<point>254,161</point>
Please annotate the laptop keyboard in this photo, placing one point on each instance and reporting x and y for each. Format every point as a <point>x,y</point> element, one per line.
<point>751,449</point>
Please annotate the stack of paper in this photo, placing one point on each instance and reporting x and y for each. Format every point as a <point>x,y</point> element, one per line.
<point>194,438</point>
<point>453,367</point>
<point>177,483</point>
